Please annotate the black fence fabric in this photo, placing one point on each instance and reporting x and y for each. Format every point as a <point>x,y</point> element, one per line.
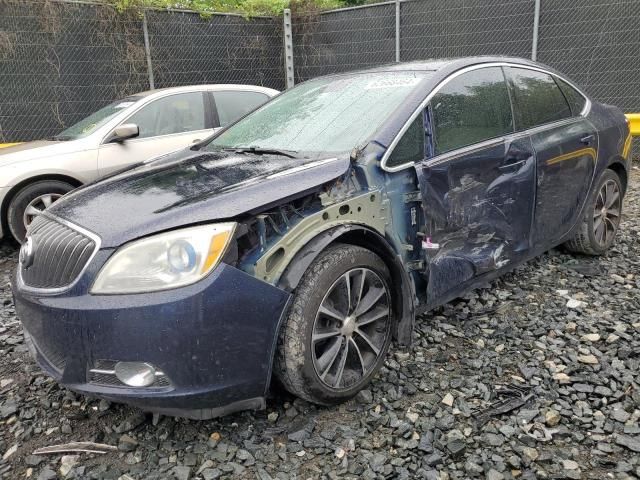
<point>343,40</point>
<point>459,28</point>
<point>187,49</point>
<point>60,60</point>
<point>596,44</point>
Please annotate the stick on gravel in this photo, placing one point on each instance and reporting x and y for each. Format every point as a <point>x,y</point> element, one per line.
<point>88,447</point>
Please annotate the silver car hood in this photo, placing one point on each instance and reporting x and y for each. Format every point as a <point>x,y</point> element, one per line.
<point>40,149</point>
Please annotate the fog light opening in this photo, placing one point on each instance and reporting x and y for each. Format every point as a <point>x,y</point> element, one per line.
<point>135,374</point>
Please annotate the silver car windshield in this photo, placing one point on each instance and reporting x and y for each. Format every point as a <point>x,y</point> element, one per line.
<point>328,115</point>
<point>94,121</point>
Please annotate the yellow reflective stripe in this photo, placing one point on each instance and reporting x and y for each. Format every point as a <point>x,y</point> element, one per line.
<point>571,155</point>
<point>627,146</point>
<point>3,145</point>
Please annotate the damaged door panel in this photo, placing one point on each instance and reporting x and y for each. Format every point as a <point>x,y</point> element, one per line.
<point>478,208</point>
<point>478,188</point>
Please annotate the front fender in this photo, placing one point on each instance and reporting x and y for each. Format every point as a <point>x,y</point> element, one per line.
<point>355,234</point>
<point>304,258</point>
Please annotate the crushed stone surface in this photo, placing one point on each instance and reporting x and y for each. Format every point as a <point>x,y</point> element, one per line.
<point>534,376</point>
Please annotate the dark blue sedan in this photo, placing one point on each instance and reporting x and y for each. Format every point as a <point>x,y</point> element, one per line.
<point>302,240</point>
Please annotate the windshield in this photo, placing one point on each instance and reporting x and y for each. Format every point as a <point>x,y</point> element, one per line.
<point>327,115</point>
<point>94,121</point>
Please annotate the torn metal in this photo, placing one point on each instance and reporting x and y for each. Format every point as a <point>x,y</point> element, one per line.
<point>514,397</point>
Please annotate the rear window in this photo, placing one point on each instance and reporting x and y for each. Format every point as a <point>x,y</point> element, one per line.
<point>537,98</point>
<point>573,96</point>
<point>232,105</point>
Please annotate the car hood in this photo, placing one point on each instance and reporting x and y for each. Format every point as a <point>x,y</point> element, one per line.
<point>197,187</point>
<point>38,149</point>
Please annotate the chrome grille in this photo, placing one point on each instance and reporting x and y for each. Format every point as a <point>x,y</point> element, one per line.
<point>59,254</point>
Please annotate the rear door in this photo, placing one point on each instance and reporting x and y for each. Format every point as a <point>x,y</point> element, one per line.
<point>477,183</point>
<point>566,146</point>
<point>230,105</point>
<point>166,124</point>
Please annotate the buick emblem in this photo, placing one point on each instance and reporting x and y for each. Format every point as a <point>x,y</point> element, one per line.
<point>26,253</point>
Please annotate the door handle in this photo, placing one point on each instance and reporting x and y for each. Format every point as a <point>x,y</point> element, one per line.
<point>588,139</point>
<point>512,164</point>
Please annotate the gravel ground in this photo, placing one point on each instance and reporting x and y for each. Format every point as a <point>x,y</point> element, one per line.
<point>535,376</point>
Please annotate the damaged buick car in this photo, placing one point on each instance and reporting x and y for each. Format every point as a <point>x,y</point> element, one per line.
<point>304,239</point>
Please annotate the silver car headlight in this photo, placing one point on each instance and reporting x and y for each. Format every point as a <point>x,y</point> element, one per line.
<point>168,260</point>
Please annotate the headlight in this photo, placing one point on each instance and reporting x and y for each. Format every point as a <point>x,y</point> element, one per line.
<point>164,261</point>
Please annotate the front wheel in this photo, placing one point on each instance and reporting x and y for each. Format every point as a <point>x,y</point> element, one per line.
<point>30,202</point>
<point>338,328</point>
<point>601,219</point>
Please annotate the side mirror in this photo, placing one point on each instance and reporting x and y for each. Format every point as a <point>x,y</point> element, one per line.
<point>124,132</point>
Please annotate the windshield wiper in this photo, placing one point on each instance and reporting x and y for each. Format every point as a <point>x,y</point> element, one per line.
<point>62,138</point>
<point>266,151</point>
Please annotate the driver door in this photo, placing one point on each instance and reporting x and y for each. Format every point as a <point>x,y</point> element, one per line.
<point>477,184</point>
<point>166,124</point>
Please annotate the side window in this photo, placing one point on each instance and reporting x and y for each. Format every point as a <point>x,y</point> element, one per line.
<point>537,98</point>
<point>574,97</point>
<point>410,148</point>
<point>233,105</point>
<point>471,108</point>
<point>182,112</point>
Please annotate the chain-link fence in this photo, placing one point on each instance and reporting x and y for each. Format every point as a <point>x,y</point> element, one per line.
<point>446,28</point>
<point>60,60</point>
<point>188,49</point>
<point>597,44</point>
<point>345,39</point>
<point>359,37</point>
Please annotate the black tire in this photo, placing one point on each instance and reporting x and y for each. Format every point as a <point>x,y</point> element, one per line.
<point>22,199</point>
<point>589,238</point>
<point>366,341</point>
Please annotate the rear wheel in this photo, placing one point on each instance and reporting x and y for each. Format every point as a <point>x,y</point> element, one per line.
<point>338,328</point>
<point>29,202</point>
<point>602,216</point>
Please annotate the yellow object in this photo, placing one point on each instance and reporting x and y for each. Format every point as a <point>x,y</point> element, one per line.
<point>571,155</point>
<point>3,145</point>
<point>634,123</point>
<point>216,249</point>
<point>627,146</point>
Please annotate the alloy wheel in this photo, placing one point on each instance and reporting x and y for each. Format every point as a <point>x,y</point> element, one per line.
<point>351,329</point>
<point>606,214</point>
<point>37,206</point>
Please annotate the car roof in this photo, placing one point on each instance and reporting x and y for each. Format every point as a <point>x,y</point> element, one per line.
<point>439,70</point>
<point>212,87</point>
<point>438,64</point>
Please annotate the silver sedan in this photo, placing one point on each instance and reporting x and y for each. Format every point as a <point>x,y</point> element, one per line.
<point>137,128</point>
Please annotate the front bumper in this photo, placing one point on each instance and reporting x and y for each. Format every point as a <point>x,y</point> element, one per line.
<point>214,341</point>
